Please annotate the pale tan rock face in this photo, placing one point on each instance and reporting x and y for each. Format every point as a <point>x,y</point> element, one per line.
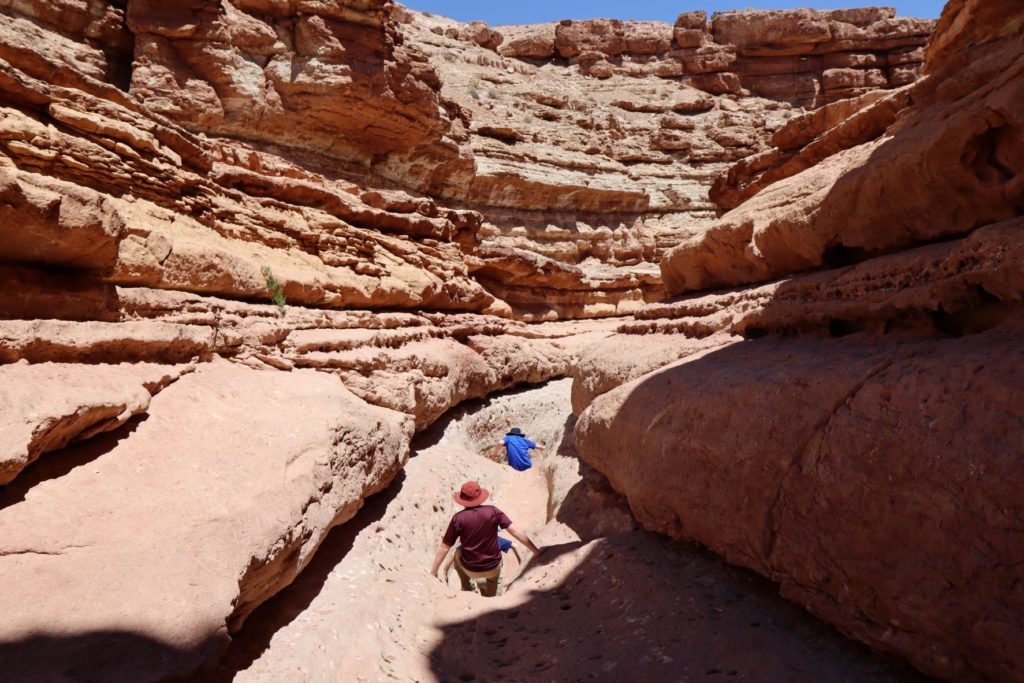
<point>46,406</point>
<point>438,201</point>
<point>804,56</point>
<point>315,76</point>
<point>138,201</point>
<point>954,152</point>
<point>173,535</point>
<point>598,165</point>
<point>603,182</point>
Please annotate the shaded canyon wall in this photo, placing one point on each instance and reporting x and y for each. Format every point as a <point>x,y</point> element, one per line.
<point>842,413</point>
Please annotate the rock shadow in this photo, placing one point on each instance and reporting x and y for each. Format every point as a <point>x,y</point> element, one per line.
<point>56,464</point>
<point>642,607</point>
<point>106,656</point>
<point>266,620</point>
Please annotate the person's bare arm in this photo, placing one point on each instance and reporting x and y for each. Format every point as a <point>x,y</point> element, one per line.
<point>448,566</point>
<point>496,451</point>
<point>439,558</point>
<point>523,538</point>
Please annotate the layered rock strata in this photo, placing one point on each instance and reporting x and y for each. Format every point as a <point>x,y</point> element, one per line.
<point>140,254</point>
<point>850,432</point>
<point>580,192</point>
<point>959,130</point>
<point>802,56</point>
<point>175,446</point>
<point>606,175</point>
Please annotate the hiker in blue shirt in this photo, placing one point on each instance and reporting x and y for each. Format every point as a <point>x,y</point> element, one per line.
<point>517,447</point>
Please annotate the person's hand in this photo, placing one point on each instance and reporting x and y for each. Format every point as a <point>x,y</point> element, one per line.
<point>537,551</point>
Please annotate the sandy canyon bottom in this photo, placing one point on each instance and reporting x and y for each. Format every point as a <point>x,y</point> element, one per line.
<point>605,601</point>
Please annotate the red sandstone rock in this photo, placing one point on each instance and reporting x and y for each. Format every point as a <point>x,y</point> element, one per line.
<point>952,149</point>
<point>339,79</point>
<point>691,29</point>
<point>852,78</point>
<point>530,42</point>
<point>611,37</point>
<point>960,286</point>
<point>266,134</point>
<point>775,30</point>
<point>834,450</point>
<point>841,460</point>
<point>47,406</point>
<point>481,34</point>
<point>807,140</point>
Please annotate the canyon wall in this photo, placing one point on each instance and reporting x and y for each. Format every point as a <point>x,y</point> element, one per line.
<point>594,142</point>
<point>175,445</point>
<point>843,413</point>
<point>252,247</point>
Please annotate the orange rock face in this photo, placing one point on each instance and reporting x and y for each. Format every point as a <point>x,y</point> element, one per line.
<point>961,132</point>
<point>849,432</point>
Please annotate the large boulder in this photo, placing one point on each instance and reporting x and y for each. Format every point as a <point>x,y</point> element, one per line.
<point>156,549</point>
<point>878,482</point>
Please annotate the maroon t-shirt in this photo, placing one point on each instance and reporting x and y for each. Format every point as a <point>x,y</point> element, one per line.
<point>478,529</point>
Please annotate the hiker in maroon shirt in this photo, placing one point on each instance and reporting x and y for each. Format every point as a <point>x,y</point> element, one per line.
<point>478,560</point>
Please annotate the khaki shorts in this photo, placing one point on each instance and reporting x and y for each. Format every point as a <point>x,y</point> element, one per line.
<point>487,583</point>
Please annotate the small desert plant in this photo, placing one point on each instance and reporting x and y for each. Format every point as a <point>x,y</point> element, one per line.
<point>274,288</point>
<point>474,90</point>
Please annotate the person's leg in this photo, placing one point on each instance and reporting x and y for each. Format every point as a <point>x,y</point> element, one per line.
<point>491,586</point>
<point>467,583</point>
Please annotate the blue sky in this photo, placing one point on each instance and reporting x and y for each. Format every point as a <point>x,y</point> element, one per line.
<point>536,11</point>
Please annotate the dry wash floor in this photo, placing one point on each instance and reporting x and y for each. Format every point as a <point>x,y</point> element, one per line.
<point>606,601</point>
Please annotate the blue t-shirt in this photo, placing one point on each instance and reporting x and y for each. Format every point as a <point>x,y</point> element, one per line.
<point>504,545</point>
<point>518,449</point>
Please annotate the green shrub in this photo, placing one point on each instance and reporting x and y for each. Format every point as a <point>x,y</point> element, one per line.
<point>274,288</point>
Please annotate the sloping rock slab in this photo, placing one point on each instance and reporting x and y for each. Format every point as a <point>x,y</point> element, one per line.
<point>879,483</point>
<point>47,406</point>
<point>139,564</point>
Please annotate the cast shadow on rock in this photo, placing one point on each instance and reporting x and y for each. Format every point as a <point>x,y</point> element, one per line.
<point>103,656</point>
<point>276,613</point>
<point>56,464</point>
<point>642,607</point>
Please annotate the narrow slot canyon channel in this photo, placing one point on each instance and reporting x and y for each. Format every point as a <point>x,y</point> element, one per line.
<point>605,601</point>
